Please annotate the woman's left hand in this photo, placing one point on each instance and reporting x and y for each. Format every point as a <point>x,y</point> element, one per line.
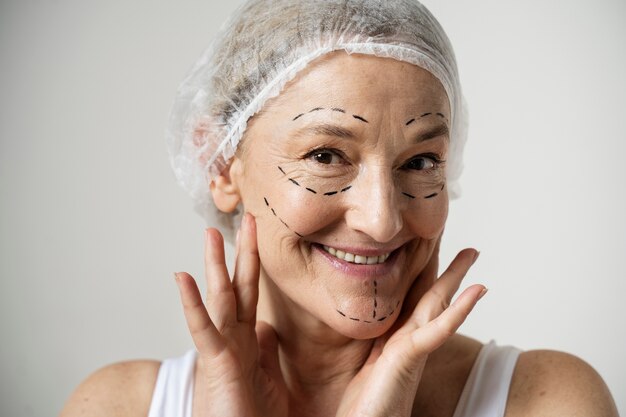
<point>387,383</point>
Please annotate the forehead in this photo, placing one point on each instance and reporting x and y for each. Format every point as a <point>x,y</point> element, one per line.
<point>365,81</point>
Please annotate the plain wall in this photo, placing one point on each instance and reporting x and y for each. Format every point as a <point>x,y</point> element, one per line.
<point>92,223</point>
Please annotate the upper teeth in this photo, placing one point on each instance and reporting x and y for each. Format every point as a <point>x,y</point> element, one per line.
<point>356,259</point>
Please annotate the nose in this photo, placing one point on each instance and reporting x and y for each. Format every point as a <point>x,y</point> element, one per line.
<point>372,208</point>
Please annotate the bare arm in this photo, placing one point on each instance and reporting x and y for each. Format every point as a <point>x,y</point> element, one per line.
<point>548,383</point>
<point>122,390</point>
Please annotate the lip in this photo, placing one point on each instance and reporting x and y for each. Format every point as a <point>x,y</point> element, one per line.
<point>359,270</point>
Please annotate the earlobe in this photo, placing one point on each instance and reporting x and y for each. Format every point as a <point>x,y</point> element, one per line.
<point>225,189</point>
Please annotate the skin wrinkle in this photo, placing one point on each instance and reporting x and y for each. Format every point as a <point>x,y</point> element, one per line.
<point>327,129</point>
<point>374,152</point>
<point>329,193</point>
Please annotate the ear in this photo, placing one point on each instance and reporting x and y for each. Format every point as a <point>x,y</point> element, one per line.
<point>225,188</point>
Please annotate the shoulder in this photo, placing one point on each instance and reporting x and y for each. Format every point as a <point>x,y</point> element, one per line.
<point>445,375</point>
<point>121,389</point>
<point>549,383</point>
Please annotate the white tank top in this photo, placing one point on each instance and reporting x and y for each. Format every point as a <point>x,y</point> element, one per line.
<point>485,393</point>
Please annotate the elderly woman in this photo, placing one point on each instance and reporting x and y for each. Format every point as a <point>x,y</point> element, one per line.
<point>331,133</point>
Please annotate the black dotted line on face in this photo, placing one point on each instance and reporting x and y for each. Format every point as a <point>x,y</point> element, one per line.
<point>311,190</point>
<point>440,115</point>
<point>412,197</point>
<point>380,319</point>
<point>375,301</point>
<point>336,109</point>
<point>267,203</point>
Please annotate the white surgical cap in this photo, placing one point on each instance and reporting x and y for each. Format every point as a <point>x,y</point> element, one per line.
<point>264,45</point>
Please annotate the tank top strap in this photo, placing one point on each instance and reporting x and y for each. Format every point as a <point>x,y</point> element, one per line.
<point>487,387</point>
<point>173,392</point>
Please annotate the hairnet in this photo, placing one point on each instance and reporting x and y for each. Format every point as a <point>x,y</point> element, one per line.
<point>264,45</point>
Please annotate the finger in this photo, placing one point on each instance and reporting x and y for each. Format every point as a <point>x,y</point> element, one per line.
<point>424,281</point>
<point>205,336</point>
<point>246,279</point>
<point>268,351</point>
<point>220,301</point>
<point>429,337</point>
<point>438,298</point>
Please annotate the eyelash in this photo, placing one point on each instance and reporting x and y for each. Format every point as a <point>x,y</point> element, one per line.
<point>332,151</point>
<point>435,158</point>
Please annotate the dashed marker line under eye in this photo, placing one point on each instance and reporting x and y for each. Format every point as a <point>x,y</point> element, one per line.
<point>311,190</point>
<point>429,196</point>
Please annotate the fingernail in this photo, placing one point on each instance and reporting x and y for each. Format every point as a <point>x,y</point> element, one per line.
<point>476,257</point>
<point>176,277</point>
<point>482,294</point>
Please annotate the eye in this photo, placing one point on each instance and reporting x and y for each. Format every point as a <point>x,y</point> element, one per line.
<point>325,156</point>
<point>422,162</point>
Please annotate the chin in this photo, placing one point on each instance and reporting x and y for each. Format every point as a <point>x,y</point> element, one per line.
<point>361,331</point>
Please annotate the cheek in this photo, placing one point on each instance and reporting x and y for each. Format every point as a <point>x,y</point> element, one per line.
<point>301,203</point>
<point>427,218</point>
<point>303,212</point>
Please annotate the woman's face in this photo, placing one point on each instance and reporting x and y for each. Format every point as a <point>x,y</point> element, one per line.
<point>345,175</point>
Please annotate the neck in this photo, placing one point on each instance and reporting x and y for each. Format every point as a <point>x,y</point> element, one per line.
<point>316,361</point>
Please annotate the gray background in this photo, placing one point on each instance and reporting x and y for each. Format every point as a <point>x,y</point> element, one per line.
<point>92,224</point>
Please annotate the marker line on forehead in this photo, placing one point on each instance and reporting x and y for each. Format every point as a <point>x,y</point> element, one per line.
<point>356,116</point>
<point>441,115</point>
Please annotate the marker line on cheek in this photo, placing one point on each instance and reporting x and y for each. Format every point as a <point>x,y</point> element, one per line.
<point>267,203</point>
<point>435,194</point>
<point>311,190</point>
<point>427,197</point>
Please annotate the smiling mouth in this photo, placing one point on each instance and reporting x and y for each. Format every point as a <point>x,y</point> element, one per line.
<point>356,259</point>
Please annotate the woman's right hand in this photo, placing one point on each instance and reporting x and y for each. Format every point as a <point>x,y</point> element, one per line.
<point>238,370</point>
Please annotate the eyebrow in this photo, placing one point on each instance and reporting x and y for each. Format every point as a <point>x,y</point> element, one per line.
<point>432,133</point>
<point>326,129</point>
